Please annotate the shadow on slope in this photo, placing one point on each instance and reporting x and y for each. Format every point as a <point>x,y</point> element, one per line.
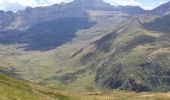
<point>122,59</point>
<point>160,24</point>
<point>46,35</point>
<point>129,68</point>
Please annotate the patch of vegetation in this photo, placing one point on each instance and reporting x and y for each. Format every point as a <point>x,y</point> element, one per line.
<point>15,89</point>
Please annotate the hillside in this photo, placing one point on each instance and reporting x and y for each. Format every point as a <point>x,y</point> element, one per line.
<point>15,89</point>
<point>134,56</point>
<point>87,48</point>
<point>161,10</point>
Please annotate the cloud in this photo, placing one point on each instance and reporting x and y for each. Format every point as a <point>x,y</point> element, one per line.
<point>124,2</point>
<point>15,5</point>
<point>50,2</point>
<point>154,4</point>
<point>12,6</point>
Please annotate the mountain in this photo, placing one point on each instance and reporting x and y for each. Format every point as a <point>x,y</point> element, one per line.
<point>41,40</point>
<point>55,25</point>
<point>161,10</point>
<point>86,45</point>
<point>6,18</point>
<point>78,8</point>
<point>90,4</point>
<point>134,10</point>
<point>101,5</point>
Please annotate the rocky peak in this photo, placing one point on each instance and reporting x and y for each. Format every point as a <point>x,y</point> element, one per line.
<point>6,18</point>
<point>90,4</point>
<point>133,10</point>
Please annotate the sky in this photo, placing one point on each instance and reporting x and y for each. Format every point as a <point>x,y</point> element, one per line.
<point>14,5</point>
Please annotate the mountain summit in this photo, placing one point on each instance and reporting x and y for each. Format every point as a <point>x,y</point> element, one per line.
<point>91,4</point>
<point>101,5</point>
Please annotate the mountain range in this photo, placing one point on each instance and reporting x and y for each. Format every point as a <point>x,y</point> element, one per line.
<point>88,45</point>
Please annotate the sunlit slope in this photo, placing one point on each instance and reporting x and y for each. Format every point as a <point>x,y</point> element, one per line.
<point>134,56</point>
<point>15,89</point>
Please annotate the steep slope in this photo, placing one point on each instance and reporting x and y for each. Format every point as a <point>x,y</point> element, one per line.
<point>160,24</point>
<point>161,10</point>
<point>134,56</point>
<point>6,18</point>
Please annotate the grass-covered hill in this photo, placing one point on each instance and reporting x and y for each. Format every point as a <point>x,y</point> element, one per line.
<point>134,56</point>
<point>15,89</point>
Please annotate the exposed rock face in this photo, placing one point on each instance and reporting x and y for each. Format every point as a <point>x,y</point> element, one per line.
<point>6,18</point>
<point>59,23</point>
<point>25,18</point>
<point>91,4</point>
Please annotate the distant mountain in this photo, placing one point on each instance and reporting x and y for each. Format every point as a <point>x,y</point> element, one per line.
<point>90,4</point>
<point>54,25</point>
<point>77,8</point>
<point>161,10</point>
<point>134,10</point>
<point>6,18</point>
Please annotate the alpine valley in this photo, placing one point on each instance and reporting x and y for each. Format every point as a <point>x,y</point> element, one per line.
<point>85,50</point>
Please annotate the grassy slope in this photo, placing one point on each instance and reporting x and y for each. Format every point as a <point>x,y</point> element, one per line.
<point>133,56</point>
<point>13,89</point>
